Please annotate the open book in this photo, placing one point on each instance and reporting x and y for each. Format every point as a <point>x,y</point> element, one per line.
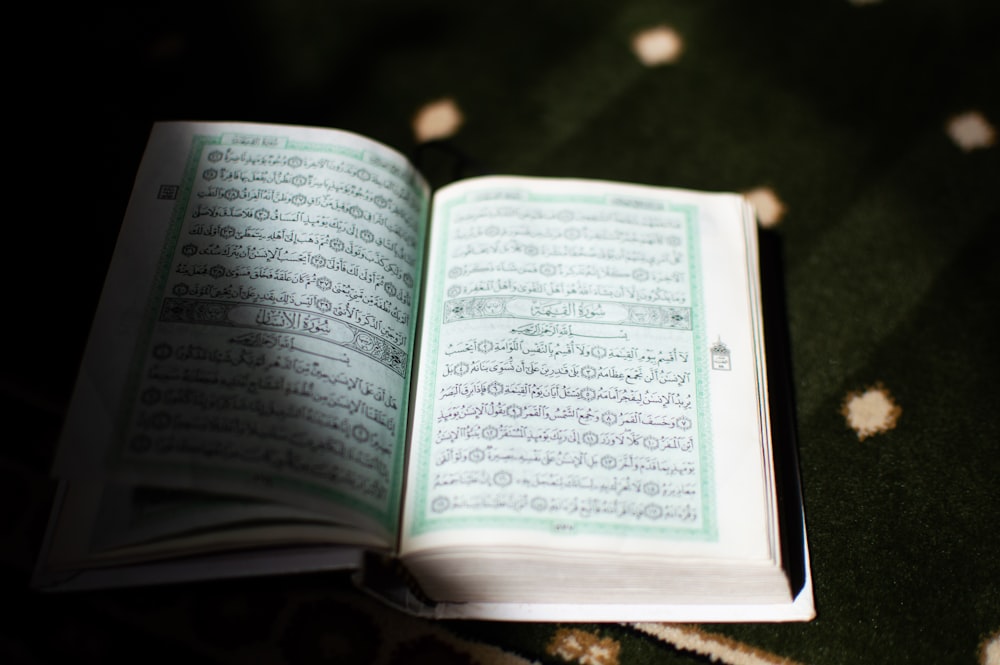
<point>511,398</point>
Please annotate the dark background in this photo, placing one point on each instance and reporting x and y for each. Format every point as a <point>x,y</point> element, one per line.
<point>890,261</point>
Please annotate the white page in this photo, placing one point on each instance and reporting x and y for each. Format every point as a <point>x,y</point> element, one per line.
<point>256,327</point>
<point>566,394</point>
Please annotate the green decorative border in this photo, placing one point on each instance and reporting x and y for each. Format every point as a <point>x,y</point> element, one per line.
<point>389,517</point>
<point>701,373</point>
<point>422,523</point>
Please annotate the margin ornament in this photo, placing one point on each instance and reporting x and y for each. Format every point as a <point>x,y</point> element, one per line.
<point>721,357</point>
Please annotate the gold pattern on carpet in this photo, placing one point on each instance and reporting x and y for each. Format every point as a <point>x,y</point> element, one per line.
<point>971,131</point>
<point>583,647</point>
<point>769,208</point>
<point>718,648</point>
<point>439,119</point>
<point>989,650</point>
<point>659,45</point>
<point>871,411</point>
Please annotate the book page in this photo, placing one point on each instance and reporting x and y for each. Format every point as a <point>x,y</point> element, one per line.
<point>589,375</point>
<point>255,332</point>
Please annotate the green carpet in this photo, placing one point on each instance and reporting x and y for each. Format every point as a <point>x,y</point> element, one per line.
<point>867,128</point>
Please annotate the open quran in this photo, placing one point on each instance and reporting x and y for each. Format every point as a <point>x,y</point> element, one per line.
<point>513,398</point>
